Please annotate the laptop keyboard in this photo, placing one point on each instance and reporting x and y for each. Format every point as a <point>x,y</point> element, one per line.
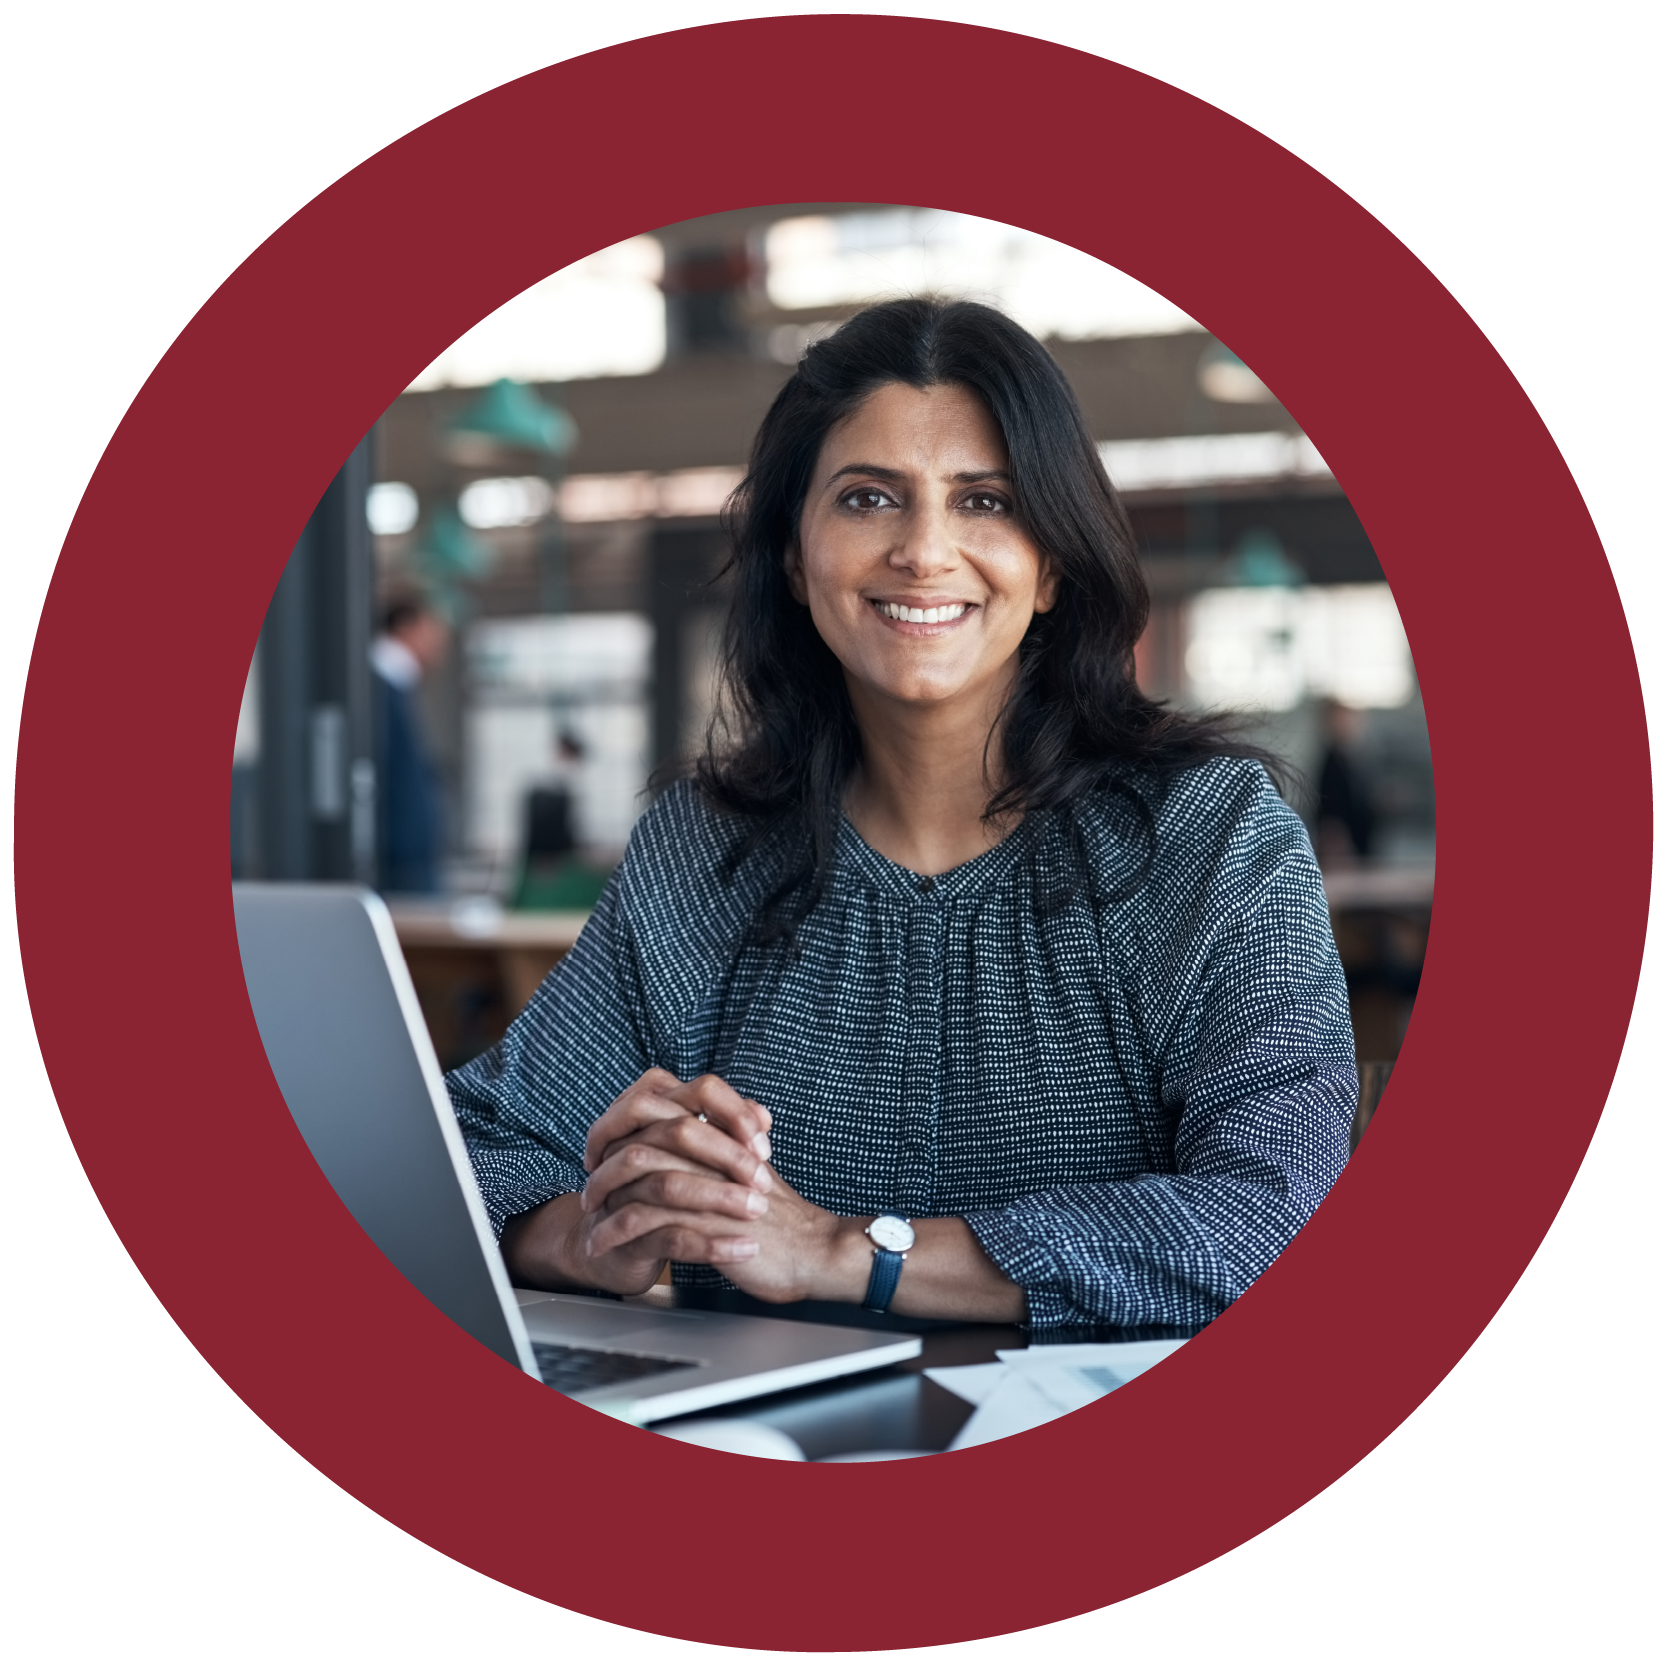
<point>573,1370</point>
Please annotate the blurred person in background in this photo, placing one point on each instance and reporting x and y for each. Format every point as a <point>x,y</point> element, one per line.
<point>961,979</point>
<point>554,875</point>
<point>549,818</point>
<point>1345,823</point>
<point>413,641</point>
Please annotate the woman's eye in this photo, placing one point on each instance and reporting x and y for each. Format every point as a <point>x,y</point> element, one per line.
<point>866,497</point>
<point>985,503</point>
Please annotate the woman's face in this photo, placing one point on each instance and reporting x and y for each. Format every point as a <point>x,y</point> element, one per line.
<point>910,514</point>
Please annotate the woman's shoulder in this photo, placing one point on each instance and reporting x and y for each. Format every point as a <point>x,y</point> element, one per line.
<point>1230,799</point>
<point>1205,801</point>
<point>1217,829</point>
<point>683,865</point>
<point>679,825</point>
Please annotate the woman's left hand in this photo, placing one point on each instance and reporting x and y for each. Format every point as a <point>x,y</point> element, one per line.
<point>803,1251</point>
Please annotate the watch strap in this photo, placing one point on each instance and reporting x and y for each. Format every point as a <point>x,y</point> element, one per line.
<point>882,1281</point>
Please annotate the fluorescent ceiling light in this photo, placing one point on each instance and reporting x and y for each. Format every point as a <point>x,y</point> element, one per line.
<point>639,496</point>
<point>504,502</point>
<point>1210,460</point>
<point>391,508</point>
<point>602,316</point>
<point>835,260</point>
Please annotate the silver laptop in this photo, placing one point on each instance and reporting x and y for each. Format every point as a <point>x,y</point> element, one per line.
<point>348,1046</point>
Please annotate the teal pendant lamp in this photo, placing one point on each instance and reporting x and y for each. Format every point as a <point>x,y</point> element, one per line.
<point>451,550</point>
<point>1260,560</point>
<point>511,415</point>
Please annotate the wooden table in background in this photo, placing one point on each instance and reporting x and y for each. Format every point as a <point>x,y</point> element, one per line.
<point>1380,918</point>
<point>475,966</point>
<point>1349,889</point>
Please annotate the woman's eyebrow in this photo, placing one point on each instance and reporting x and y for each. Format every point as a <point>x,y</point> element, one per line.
<point>965,477</point>
<point>866,469</point>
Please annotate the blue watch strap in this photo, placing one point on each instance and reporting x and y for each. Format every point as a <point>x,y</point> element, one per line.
<point>882,1282</point>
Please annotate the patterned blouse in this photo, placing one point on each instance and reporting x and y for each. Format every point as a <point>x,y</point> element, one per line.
<point>1130,1069</point>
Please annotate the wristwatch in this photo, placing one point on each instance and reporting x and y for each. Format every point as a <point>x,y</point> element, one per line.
<point>893,1239</point>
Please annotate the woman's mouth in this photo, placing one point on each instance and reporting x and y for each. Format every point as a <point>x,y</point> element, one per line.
<point>901,613</point>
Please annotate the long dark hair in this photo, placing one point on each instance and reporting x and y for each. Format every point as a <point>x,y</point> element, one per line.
<point>783,740</point>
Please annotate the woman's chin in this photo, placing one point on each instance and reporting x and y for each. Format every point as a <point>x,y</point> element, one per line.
<point>925,692</point>
<point>926,674</point>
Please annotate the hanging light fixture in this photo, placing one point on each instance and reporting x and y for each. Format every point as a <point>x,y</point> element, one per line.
<point>509,416</point>
<point>1260,561</point>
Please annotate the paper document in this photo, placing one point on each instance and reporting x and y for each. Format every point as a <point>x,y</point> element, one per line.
<point>971,1383</point>
<point>1035,1386</point>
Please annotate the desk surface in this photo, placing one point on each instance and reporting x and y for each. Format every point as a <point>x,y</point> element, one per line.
<point>1380,888</point>
<point>481,923</point>
<point>894,1410</point>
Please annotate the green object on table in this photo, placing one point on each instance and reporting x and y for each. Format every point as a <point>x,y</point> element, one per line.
<point>564,884</point>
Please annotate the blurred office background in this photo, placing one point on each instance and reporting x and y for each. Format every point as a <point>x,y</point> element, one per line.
<point>550,489</point>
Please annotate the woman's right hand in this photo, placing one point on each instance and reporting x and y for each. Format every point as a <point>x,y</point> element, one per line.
<point>678,1173</point>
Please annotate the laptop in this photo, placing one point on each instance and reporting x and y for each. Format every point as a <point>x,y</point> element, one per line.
<point>347,1043</point>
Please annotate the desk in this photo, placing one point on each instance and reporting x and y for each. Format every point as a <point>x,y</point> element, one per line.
<point>896,1409</point>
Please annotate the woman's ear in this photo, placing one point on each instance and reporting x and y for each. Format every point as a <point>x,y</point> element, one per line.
<point>794,569</point>
<point>1047,586</point>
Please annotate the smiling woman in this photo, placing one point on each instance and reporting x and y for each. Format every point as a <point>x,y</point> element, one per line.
<point>1034,975</point>
<point>923,582</point>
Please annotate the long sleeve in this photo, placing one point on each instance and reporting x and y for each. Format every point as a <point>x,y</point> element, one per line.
<point>1254,1077</point>
<point>526,1104</point>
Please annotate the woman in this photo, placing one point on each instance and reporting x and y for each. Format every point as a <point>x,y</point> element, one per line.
<point>953,937</point>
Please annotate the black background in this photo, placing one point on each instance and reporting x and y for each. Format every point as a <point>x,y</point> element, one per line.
<point>155,162</point>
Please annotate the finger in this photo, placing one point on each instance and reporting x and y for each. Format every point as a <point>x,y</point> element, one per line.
<point>651,1231</point>
<point>703,1144</point>
<point>632,1160</point>
<point>646,1102</point>
<point>695,1194</point>
<point>742,1119</point>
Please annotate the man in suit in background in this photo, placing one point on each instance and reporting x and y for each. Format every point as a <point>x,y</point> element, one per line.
<point>413,641</point>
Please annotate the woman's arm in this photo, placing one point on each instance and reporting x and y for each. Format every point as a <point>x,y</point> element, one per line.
<point>524,1105</point>
<point>1255,1068</point>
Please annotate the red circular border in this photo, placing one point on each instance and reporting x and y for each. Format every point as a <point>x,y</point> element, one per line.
<point>140,660</point>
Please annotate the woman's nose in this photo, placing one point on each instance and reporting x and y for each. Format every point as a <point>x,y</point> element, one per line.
<point>928,545</point>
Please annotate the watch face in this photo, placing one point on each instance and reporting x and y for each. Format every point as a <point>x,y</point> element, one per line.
<point>892,1233</point>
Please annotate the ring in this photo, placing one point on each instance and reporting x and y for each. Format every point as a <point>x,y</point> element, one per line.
<point>701,1117</point>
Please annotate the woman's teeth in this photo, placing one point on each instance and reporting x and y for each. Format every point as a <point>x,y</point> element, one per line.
<point>923,616</point>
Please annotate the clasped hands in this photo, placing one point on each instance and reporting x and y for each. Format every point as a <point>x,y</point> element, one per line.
<point>680,1172</point>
